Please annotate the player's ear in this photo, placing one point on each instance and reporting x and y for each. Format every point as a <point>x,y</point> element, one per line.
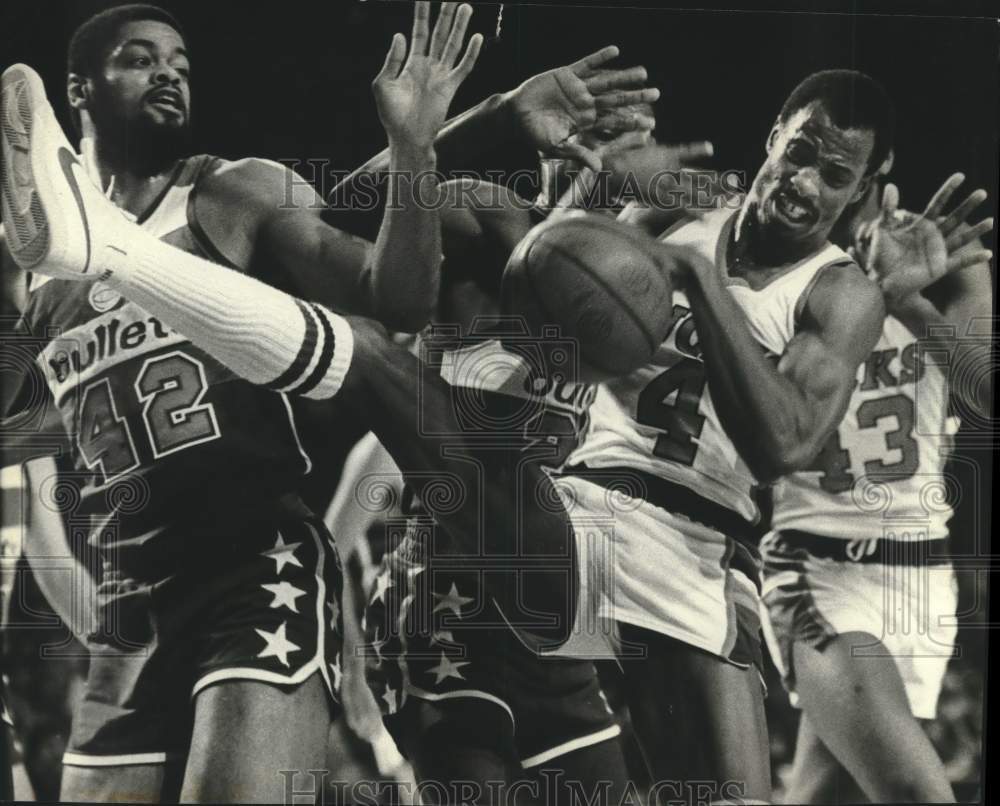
<point>773,135</point>
<point>78,91</point>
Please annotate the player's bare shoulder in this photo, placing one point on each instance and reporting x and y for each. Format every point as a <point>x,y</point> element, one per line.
<point>844,303</point>
<point>236,199</point>
<point>255,181</point>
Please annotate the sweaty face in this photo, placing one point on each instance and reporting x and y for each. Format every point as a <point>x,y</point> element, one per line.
<point>813,171</point>
<point>144,81</point>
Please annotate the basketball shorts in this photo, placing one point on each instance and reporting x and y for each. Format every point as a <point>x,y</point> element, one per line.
<point>438,636</point>
<point>644,565</point>
<point>908,609</point>
<point>270,613</point>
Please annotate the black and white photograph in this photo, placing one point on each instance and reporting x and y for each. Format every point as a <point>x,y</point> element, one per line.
<point>411,403</point>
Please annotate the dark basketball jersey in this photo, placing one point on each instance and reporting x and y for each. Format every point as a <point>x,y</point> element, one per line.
<point>172,451</point>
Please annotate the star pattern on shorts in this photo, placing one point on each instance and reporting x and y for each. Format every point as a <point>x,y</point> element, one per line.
<point>285,594</point>
<point>337,672</point>
<point>277,644</point>
<point>282,554</point>
<point>389,698</point>
<point>382,584</point>
<point>447,668</point>
<point>451,600</point>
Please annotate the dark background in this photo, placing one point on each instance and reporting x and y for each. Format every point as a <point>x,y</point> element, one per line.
<point>290,81</point>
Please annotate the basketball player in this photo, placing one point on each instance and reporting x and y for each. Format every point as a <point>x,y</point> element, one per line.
<point>216,615</point>
<point>323,350</point>
<point>859,591</point>
<point>465,699</point>
<point>278,338</point>
<point>770,325</point>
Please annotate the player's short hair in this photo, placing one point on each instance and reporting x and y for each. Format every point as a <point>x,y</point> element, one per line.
<point>90,43</point>
<point>854,100</point>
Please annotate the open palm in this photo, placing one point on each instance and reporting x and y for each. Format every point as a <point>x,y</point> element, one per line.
<point>553,106</point>
<point>413,96</point>
<point>907,251</point>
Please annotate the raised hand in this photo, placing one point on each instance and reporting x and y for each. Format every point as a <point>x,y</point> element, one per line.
<point>413,96</point>
<point>906,252</point>
<point>960,237</point>
<point>553,106</point>
<point>906,256</point>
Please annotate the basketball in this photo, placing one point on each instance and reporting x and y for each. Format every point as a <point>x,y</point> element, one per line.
<point>599,282</point>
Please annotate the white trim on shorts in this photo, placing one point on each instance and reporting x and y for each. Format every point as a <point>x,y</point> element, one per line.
<point>318,662</point>
<point>71,759</point>
<point>472,693</point>
<point>589,740</point>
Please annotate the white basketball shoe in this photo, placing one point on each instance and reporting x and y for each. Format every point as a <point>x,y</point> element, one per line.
<point>57,222</point>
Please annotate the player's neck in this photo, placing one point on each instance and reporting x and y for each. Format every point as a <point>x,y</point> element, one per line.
<point>134,183</point>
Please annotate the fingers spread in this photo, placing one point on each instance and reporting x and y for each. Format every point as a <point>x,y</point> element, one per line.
<point>454,45</point>
<point>965,235</point>
<point>962,212</point>
<point>620,121</point>
<point>442,28</point>
<point>609,100</point>
<point>964,260</point>
<point>943,194</point>
<point>394,58</point>
<point>421,22</point>
<point>632,78</point>
<point>465,66</point>
<point>588,64</point>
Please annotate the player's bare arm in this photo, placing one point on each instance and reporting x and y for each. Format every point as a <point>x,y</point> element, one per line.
<point>396,279</point>
<point>779,416</point>
<point>939,280</point>
<point>544,113</point>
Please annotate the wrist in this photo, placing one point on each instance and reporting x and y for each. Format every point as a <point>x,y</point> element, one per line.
<point>504,105</point>
<point>407,152</point>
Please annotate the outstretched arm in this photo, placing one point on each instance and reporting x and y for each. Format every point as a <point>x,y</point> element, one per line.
<point>280,227</point>
<point>541,114</point>
<point>779,416</point>
<point>945,298</point>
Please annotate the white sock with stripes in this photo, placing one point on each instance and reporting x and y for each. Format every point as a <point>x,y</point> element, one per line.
<point>262,334</point>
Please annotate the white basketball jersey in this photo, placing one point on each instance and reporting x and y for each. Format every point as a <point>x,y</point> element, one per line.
<point>661,419</point>
<point>880,475</point>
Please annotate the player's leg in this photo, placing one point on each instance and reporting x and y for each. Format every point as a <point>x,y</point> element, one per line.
<point>250,737</point>
<point>137,783</point>
<point>464,742</point>
<point>859,709</point>
<point>595,774</point>
<point>698,719</point>
<point>129,730</point>
<point>817,776</point>
<point>500,500</point>
<point>264,633</point>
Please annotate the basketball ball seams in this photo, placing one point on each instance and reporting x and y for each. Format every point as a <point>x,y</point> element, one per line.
<point>654,341</point>
<point>543,307</point>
